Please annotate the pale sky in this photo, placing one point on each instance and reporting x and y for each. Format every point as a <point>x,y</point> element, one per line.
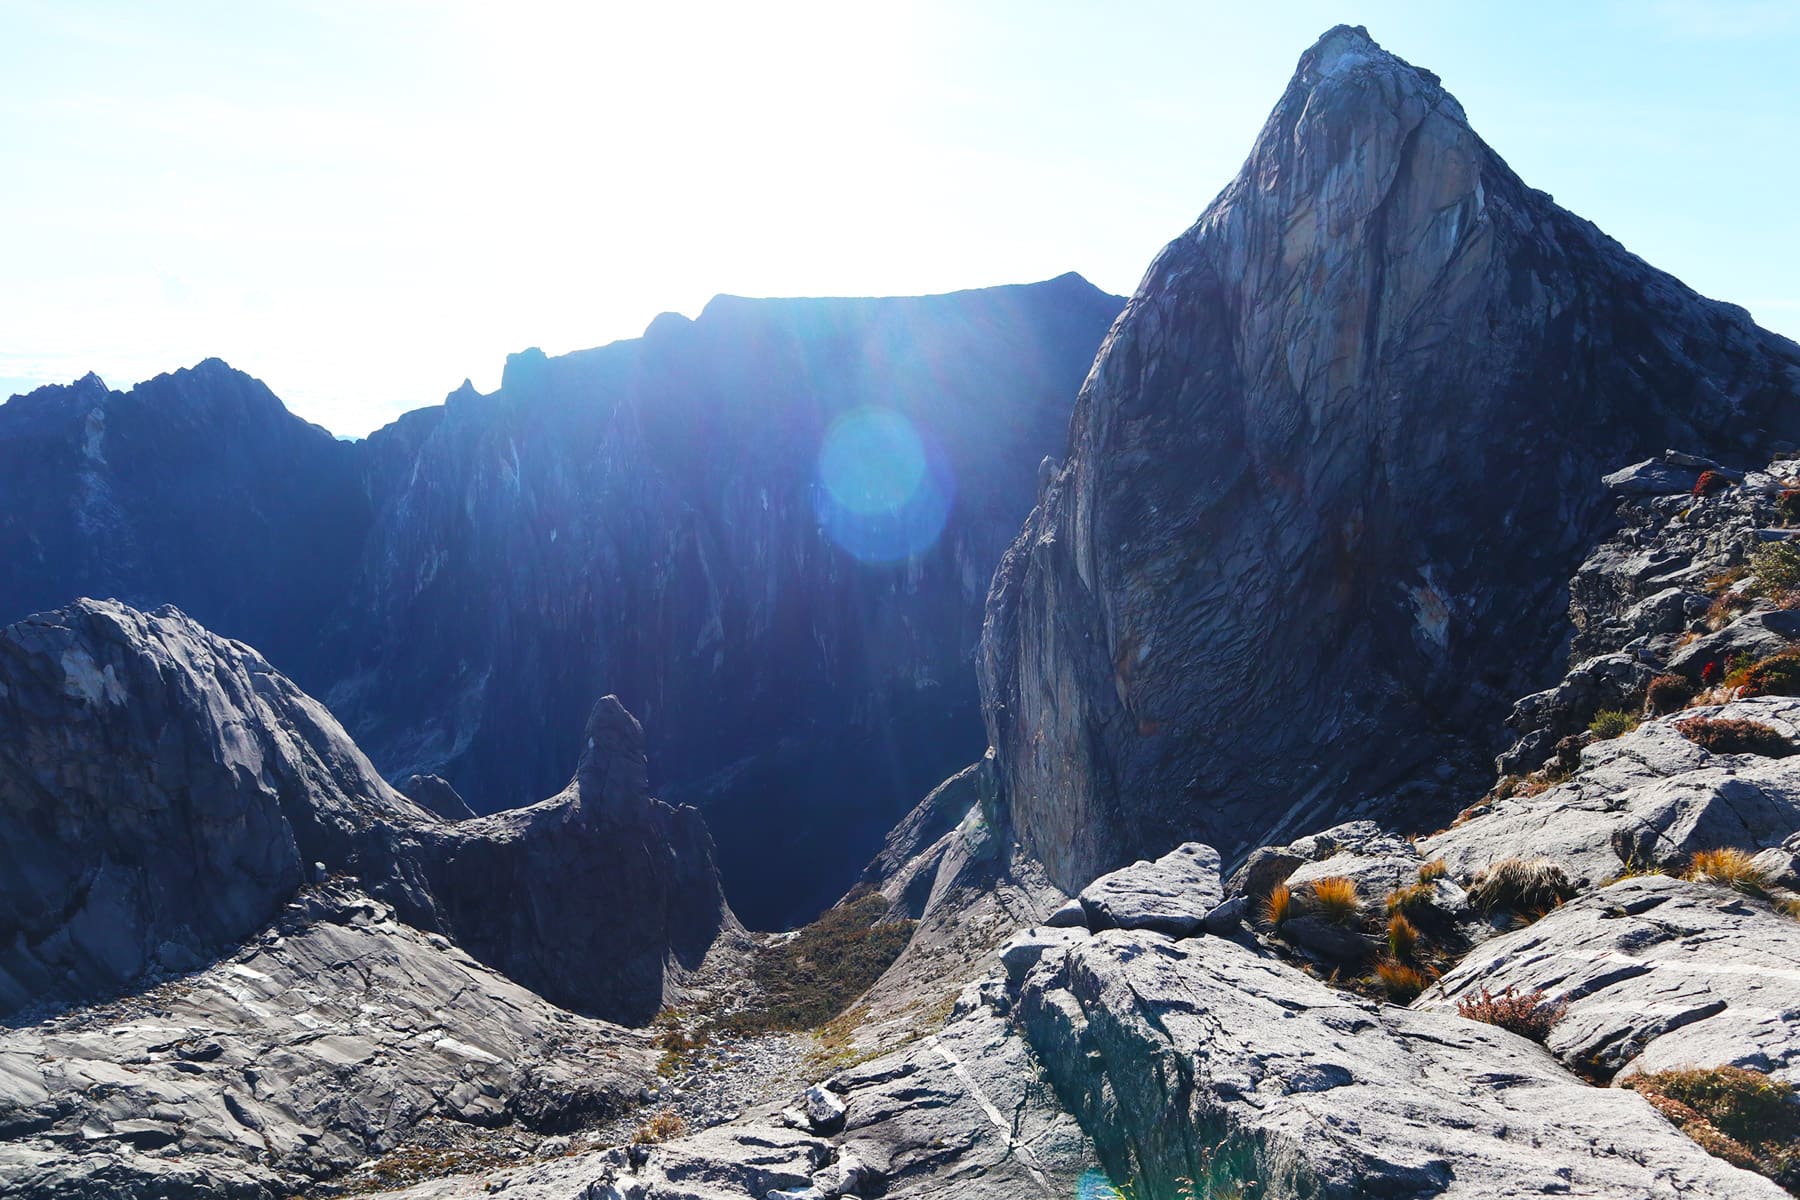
<point>362,202</point>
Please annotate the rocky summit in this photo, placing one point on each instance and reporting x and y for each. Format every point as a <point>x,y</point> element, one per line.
<point>1328,476</point>
<point>1393,785</point>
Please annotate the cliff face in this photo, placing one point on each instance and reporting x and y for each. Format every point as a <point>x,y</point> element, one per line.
<point>164,792</point>
<point>654,518</point>
<point>1328,476</point>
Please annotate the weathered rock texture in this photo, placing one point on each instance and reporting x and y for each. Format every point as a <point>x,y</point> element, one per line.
<point>1202,1060</point>
<point>1655,973</point>
<point>322,1040</point>
<point>1648,799</point>
<point>1328,477</point>
<point>646,519</point>
<point>164,791</point>
<point>963,1112</point>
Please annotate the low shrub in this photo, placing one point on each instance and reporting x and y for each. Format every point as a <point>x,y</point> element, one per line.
<point>659,1127</point>
<point>1776,566</point>
<point>1709,483</point>
<point>1742,1116</point>
<point>1402,937</point>
<point>1667,693</point>
<point>1611,723</point>
<point>1402,983</point>
<point>1279,906</point>
<point>1787,506</point>
<point>1733,735</point>
<point>1515,885</point>
<point>1334,898</point>
<point>1776,675</point>
<point>1528,1014</point>
<point>1735,869</point>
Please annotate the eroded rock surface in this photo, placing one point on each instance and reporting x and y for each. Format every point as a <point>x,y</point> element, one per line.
<point>1655,973</point>
<point>1650,798</point>
<point>163,791</point>
<point>1201,1060</point>
<point>963,1112</point>
<point>320,1042</point>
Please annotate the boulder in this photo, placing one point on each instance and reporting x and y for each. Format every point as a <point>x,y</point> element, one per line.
<point>1649,798</point>
<point>1656,973</point>
<point>1023,951</point>
<point>823,1108</point>
<point>1653,477</point>
<point>1171,895</point>
<point>434,794</point>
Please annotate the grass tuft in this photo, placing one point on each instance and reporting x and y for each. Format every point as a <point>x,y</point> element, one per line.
<point>1515,885</point>
<point>1335,899</point>
<point>1610,723</point>
<point>1402,937</point>
<point>1403,983</point>
<point>1279,906</point>
<point>1735,869</point>
<point>659,1127</point>
<point>1435,869</point>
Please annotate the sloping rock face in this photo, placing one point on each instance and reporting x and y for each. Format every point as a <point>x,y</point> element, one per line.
<point>164,791</point>
<point>321,1041</point>
<point>1203,1060</point>
<point>1655,973</point>
<point>962,1112</point>
<point>1648,799</point>
<point>1328,477</point>
<point>768,530</point>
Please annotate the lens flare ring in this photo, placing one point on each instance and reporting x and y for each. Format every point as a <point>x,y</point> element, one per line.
<point>884,489</point>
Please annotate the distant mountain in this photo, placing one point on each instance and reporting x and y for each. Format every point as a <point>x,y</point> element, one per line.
<point>769,530</point>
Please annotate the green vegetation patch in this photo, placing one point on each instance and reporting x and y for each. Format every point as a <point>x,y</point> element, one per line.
<point>1743,1116</point>
<point>808,979</point>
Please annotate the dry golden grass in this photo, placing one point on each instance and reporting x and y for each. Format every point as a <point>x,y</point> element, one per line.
<point>1402,983</point>
<point>659,1127</point>
<point>1335,899</point>
<point>1402,937</point>
<point>1435,869</point>
<point>1279,906</point>
<point>1515,885</point>
<point>1735,869</point>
